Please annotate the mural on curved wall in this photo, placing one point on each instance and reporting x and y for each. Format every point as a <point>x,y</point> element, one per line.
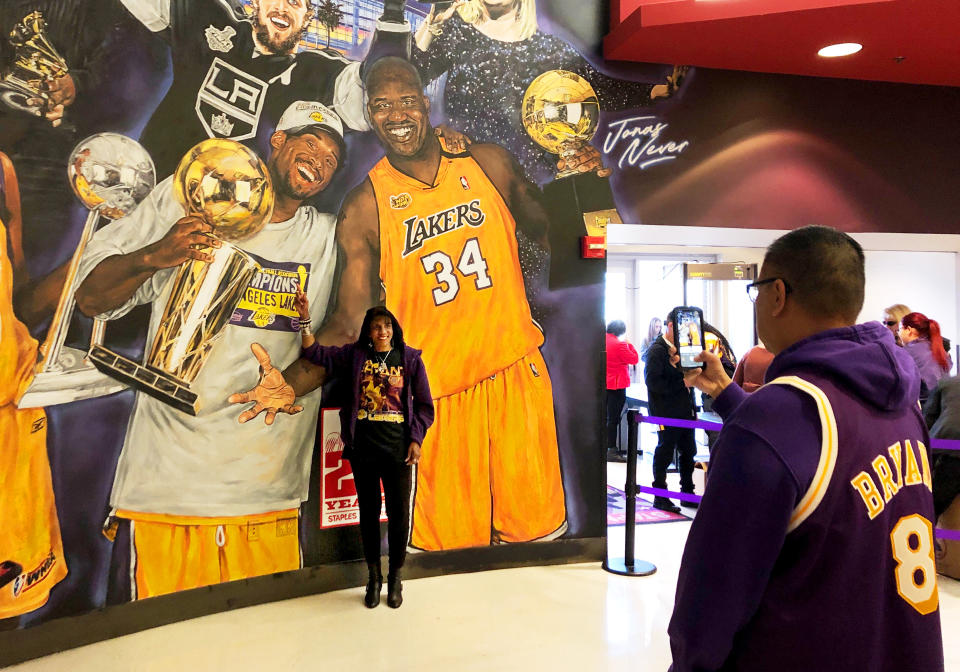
<point>110,479</point>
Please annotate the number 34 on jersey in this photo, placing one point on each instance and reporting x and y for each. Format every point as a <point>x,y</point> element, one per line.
<point>469,265</point>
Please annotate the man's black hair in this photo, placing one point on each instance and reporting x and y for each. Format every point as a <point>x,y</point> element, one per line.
<point>824,269</point>
<point>617,328</point>
<point>390,64</point>
<point>364,340</point>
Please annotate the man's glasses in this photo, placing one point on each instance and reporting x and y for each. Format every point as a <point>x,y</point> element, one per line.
<point>891,323</point>
<point>753,289</point>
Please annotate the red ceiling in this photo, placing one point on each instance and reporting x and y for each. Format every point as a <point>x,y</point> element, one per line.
<point>914,41</point>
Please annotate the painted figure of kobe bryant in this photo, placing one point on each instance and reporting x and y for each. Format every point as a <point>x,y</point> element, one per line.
<point>205,479</point>
<point>438,230</point>
<point>233,76</point>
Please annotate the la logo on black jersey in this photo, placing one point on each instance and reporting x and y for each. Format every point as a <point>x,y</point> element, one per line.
<point>230,101</point>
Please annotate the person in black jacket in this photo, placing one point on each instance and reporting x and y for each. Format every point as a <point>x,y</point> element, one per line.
<point>669,398</point>
<point>942,415</point>
<point>383,421</point>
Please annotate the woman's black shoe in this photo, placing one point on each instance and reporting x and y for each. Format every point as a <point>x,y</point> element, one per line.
<point>394,591</point>
<point>374,583</point>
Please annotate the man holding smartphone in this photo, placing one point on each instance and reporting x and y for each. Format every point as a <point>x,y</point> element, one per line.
<point>669,398</point>
<point>834,569</point>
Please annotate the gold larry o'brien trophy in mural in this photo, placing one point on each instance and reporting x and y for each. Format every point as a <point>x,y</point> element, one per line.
<point>560,111</point>
<point>35,61</point>
<point>110,174</point>
<point>227,185</point>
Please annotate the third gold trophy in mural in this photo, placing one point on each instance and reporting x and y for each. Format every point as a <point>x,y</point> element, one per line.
<point>228,186</point>
<point>561,112</point>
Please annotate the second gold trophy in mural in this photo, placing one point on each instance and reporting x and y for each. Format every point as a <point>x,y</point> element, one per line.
<point>228,186</point>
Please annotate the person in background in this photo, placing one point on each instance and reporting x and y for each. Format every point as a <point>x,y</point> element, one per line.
<point>669,398</point>
<point>620,355</point>
<point>653,333</point>
<point>921,338</point>
<point>813,545</point>
<point>752,368</point>
<point>891,319</point>
<point>942,415</point>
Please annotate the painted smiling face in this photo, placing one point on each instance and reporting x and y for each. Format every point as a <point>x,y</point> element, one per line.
<point>279,24</point>
<point>303,165</point>
<point>399,113</point>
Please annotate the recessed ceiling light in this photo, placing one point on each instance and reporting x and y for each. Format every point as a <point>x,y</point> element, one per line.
<point>844,49</point>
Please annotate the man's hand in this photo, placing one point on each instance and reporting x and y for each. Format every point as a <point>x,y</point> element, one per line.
<point>185,240</point>
<point>711,379</point>
<point>674,80</point>
<point>272,394</point>
<point>586,159</point>
<point>413,453</point>
<point>302,304</point>
<point>61,92</point>
<point>455,141</point>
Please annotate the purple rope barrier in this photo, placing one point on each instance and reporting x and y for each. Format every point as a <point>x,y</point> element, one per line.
<point>945,444</point>
<point>940,533</point>
<point>685,496</point>
<point>686,424</point>
<point>936,444</point>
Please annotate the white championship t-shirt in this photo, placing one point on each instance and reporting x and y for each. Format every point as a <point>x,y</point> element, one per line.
<point>209,464</point>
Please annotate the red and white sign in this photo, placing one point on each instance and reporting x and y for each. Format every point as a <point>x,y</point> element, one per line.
<point>338,494</point>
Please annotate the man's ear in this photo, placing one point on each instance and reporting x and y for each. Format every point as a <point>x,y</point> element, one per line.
<point>277,139</point>
<point>426,103</point>
<point>780,298</point>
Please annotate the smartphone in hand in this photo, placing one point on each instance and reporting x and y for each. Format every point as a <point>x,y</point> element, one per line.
<point>688,335</point>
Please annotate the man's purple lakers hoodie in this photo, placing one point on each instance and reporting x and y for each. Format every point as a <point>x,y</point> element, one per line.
<point>812,548</point>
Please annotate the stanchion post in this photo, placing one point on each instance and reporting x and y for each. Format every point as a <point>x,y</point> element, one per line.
<point>630,488</point>
<point>628,565</point>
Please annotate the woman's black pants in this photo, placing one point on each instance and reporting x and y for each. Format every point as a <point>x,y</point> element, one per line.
<point>368,472</point>
<point>615,401</point>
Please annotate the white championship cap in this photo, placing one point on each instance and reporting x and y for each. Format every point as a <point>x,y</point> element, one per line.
<point>305,113</point>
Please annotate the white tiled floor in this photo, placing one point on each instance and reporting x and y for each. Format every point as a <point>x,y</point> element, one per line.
<point>570,617</point>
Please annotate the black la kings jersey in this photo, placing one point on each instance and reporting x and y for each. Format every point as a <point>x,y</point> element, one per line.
<point>221,89</point>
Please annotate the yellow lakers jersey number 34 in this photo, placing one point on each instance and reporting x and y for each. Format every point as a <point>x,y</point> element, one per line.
<point>449,263</point>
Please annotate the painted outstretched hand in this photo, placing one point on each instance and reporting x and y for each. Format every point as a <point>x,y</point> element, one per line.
<point>272,394</point>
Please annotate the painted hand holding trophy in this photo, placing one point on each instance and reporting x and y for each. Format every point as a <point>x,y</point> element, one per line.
<point>35,62</point>
<point>227,185</point>
<point>110,174</point>
<point>560,112</point>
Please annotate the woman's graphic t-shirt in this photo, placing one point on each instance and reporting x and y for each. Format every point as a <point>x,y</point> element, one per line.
<point>380,421</point>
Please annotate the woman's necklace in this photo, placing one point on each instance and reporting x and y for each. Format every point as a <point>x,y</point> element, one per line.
<point>382,368</point>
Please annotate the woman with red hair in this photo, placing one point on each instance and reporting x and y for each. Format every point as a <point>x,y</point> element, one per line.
<point>921,338</point>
